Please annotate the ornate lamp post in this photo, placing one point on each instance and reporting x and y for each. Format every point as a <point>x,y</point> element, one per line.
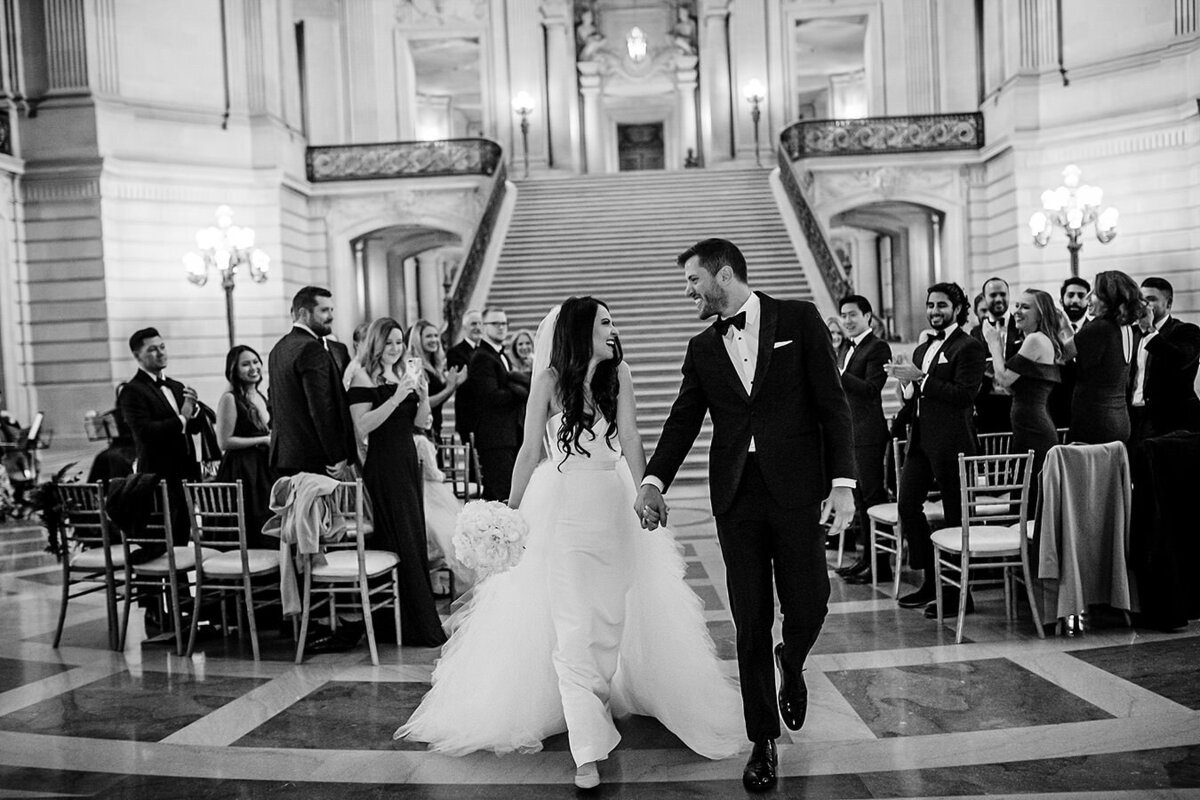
<point>225,247</point>
<point>755,94</point>
<point>1071,207</point>
<point>523,105</point>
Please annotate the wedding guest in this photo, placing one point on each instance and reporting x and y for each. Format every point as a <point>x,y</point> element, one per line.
<point>994,403</point>
<point>460,355</point>
<point>979,306</point>
<point>441,381</point>
<point>244,433</point>
<point>1031,374</point>
<point>1073,297</point>
<point>837,333</point>
<point>384,401</point>
<point>498,401</point>
<point>360,333</point>
<point>520,352</point>
<point>1164,386</point>
<point>1104,350</point>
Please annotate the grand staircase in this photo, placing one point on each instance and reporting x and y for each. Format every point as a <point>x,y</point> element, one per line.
<point>616,237</point>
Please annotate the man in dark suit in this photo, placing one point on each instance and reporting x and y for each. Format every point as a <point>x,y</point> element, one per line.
<point>766,373</point>
<point>1163,397</point>
<point>460,356</point>
<point>498,403</point>
<point>311,429</point>
<point>162,414</point>
<point>940,384</point>
<point>863,377</point>
<point>1073,296</point>
<point>993,405</point>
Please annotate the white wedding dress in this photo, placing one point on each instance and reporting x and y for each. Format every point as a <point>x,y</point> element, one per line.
<point>595,621</point>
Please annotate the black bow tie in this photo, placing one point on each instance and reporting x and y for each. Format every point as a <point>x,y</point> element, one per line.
<point>159,382</point>
<point>939,335</point>
<point>738,321</point>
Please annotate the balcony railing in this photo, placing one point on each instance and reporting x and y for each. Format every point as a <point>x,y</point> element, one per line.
<point>818,245</point>
<point>464,287</point>
<point>383,160</point>
<point>872,135</point>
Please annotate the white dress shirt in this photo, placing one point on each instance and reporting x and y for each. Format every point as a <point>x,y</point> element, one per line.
<point>854,343</point>
<point>167,393</point>
<point>1139,384</point>
<point>928,361</point>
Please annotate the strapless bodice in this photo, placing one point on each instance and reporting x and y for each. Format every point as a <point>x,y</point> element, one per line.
<point>600,455</point>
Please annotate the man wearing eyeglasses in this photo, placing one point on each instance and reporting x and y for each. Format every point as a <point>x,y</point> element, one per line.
<point>498,402</point>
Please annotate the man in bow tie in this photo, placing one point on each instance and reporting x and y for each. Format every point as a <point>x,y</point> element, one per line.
<point>993,405</point>
<point>782,458</point>
<point>498,398</point>
<point>939,386</point>
<point>1073,296</point>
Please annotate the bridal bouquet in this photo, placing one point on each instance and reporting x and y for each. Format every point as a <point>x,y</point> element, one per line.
<point>489,537</point>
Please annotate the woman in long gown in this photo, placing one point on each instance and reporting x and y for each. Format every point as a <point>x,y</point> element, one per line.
<point>1099,406</point>
<point>383,402</point>
<point>1031,374</point>
<point>243,431</point>
<point>596,619</point>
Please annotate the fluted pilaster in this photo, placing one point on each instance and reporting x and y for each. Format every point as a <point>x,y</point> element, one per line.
<point>1039,34</point>
<point>920,56</point>
<point>562,112</point>
<point>66,45</point>
<point>716,112</point>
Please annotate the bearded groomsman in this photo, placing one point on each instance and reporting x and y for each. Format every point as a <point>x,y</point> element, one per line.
<point>1163,398</point>
<point>1073,296</point>
<point>993,405</point>
<point>863,376</point>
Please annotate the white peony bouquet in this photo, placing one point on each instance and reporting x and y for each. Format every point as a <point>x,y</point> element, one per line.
<point>489,537</point>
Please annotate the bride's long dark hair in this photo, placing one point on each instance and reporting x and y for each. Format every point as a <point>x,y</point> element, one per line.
<point>570,356</point>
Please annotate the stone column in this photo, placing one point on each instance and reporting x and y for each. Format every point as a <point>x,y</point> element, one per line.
<point>562,112</point>
<point>375,273</point>
<point>716,113</point>
<point>429,285</point>
<point>593,124</point>
<point>412,301</point>
<point>685,85</point>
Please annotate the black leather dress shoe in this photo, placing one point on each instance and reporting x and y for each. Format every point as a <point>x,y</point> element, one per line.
<point>793,693</point>
<point>759,774</point>
<point>920,598</point>
<point>865,577</point>
<point>949,606</point>
<point>856,568</point>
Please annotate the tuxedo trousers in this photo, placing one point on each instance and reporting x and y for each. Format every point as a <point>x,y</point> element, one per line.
<point>871,488</point>
<point>921,470</point>
<point>496,463</point>
<point>760,539</point>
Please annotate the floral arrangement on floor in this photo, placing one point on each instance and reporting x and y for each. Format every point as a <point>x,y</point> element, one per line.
<point>489,537</point>
<point>44,501</point>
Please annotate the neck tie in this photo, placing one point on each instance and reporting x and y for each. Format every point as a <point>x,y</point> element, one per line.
<point>738,321</point>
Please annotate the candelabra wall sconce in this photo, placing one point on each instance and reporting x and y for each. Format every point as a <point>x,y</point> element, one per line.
<point>523,105</point>
<point>755,94</point>
<point>225,248</point>
<point>1071,207</point>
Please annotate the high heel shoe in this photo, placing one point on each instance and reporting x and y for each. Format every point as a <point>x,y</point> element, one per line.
<point>587,776</point>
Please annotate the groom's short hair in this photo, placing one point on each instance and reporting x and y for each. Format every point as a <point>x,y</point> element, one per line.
<point>715,254</point>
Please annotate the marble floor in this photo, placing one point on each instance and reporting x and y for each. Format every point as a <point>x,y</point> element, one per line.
<point>896,709</point>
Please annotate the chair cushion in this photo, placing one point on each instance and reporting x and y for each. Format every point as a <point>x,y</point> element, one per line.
<point>93,557</point>
<point>344,564</point>
<point>991,505</point>
<point>985,539</point>
<point>230,562</point>
<point>185,559</point>
<point>934,512</point>
<point>886,513</point>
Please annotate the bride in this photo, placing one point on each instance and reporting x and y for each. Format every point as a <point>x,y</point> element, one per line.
<point>596,619</point>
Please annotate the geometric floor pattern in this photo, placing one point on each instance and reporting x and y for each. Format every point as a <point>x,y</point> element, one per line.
<point>896,709</point>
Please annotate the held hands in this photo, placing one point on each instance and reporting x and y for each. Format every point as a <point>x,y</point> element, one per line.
<point>650,507</point>
<point>839,505</point>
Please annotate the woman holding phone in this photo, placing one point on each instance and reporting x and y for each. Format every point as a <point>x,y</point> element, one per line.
<point>425,345</point>
<point>385,398</point>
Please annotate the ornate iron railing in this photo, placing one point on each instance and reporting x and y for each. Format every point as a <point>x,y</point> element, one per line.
<point>854,137</point>
<point>360,162</point>
<point>468,276</point>
<point>818,245</point>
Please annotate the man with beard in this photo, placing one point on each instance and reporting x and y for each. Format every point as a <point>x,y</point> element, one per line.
<point>994,403</point>
<point>1163,398</point>
<point>1073,296</point>
<point>939,386</point>
<point>311,429</point>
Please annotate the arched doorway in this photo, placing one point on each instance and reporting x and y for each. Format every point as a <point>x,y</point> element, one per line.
<point>401,271</point>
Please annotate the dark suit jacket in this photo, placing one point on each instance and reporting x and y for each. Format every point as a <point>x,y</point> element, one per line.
<point>498,400</point>
<point>796,413</point>
<point>163,447</point>
<point>1170,385</point>
<point>310,421</point>
<point>464,417</point>
<point>942,418</point>
<point>863,381</point>
<point>341,356</point>
<point>1012,343</point>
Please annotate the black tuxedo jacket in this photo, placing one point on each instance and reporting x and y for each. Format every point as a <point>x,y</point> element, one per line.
<point>1170,384</point>
<point>1012,343</point>
<point>464,416</point>
<point>943,423</point>
<point>310,421</point>
<point>340,355</point>
<point>164,446</point>
<point>497,400</point>
<point>796,412</point>
<point>863,381</point>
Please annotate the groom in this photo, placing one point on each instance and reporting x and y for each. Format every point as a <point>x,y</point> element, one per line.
<point>766,373</point>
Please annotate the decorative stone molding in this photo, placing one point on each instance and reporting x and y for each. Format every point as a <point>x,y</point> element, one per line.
<point>440,12</point>
<point>420,159</point>
<point>912,134</point>
<point>883,182</point>
<point>36,191</point>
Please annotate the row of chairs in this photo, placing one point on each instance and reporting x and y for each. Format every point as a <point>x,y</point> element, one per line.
<point>218,563</point>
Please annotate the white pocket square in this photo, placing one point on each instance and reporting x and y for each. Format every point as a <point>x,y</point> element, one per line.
<point>941,359</point>
<point>784,343</point>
